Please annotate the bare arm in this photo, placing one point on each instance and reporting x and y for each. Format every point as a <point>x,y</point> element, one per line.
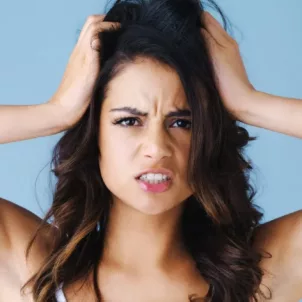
<point>17,226</point>
<point>72,98</point>
<point>248,105</point>
<point>21,122</point>
<point>282,238</point>
<point>62,111</point>
<point>274,113</point>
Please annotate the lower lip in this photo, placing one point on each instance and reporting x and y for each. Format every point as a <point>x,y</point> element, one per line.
<point>155,188</point>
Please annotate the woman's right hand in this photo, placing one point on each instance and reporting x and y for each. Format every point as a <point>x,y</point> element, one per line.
<point>75,91</point>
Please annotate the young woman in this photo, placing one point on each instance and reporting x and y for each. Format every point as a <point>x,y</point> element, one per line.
<point>152,201</point>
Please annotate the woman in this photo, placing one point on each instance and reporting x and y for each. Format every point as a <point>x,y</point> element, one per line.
<point>152,201</point>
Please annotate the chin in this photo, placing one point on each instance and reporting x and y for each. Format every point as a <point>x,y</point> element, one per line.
<point>156,205</point>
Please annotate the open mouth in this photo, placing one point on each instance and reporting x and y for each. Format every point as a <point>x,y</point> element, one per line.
<point>155,186</point>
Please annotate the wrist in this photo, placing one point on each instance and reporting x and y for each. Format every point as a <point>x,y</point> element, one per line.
<point>57,116</point>
<point>250,107</point>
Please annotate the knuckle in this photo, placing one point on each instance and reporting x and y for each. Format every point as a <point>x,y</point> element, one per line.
<point>95,44</point>
<point>91,18</point>
<point>93,26</point>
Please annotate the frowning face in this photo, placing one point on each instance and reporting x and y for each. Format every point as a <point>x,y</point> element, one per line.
<point>146,123</point>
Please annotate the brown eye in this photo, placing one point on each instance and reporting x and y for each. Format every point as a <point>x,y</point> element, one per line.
<point>183,124</point>
<point>126,122</point>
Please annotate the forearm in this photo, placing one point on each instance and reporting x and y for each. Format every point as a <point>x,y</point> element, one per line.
<point>279,114</point>
<point>21,122</point>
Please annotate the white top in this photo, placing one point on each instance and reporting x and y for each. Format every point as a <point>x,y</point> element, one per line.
<point>60,297</point>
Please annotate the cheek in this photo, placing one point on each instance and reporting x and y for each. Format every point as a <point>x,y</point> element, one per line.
<point>183,159</point>
<point>116,164</point>
<point>115,153</point>
<point>184,149</point>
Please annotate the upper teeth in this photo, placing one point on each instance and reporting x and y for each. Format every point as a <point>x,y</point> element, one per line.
<point>152,176</point>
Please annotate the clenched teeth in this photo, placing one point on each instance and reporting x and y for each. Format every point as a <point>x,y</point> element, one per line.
<point>154,178</point>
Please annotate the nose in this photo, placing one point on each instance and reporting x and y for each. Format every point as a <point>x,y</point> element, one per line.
<point>157,144</point>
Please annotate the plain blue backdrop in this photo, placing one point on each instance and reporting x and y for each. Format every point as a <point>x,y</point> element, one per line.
<point>37,38</point>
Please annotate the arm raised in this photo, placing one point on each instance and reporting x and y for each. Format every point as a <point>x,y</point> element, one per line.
<point>241,99</point>
<point>274,113</point>
<point>29,121</point>
<point>71,99</point>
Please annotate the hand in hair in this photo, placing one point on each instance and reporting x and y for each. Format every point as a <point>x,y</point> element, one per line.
<point>233,83</point>
<point>74,93</point>
<point>256,108</point>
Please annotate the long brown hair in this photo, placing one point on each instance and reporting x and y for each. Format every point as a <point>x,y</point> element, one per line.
<point>218,220</point>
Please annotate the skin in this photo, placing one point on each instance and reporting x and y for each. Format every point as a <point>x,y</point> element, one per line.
<point>144,234</point>
<point>154,274</point>
<point>144,258</point>
<point>145,142</point>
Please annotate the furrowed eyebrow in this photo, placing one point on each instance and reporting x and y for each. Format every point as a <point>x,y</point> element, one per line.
<point>135,111</point>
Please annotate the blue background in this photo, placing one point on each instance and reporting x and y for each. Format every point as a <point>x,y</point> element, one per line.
<point>37,38</point>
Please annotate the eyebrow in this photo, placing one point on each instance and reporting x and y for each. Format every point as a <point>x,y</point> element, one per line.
<point>135,111</point>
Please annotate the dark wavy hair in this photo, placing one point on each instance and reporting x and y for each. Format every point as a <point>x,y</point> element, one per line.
<point>218,221</point>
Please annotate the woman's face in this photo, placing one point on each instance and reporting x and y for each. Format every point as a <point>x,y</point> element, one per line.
<point>155,133</point>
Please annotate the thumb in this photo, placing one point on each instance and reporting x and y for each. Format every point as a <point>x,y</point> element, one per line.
<point>95,43</point>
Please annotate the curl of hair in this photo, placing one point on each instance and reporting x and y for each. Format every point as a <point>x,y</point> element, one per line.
<point>219,218</point>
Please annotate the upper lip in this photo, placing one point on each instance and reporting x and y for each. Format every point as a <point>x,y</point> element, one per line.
<point>158,170</point>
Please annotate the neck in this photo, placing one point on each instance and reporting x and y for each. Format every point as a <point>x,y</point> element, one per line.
<point>137,242</point>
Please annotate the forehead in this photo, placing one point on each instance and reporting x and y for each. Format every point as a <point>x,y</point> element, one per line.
<point>144,83</point>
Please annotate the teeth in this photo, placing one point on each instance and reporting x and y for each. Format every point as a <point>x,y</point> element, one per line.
<point>154,178</point>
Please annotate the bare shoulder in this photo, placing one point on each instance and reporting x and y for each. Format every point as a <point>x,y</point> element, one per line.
<point>17,226</point>
<point>282,238</point>
<point>284,229</point>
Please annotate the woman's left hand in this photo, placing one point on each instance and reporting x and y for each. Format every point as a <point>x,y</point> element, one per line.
<point>233,83</point>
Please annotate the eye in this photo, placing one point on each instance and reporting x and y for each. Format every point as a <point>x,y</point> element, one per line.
<point>130,121</point>
<point>183,124</point>
<point>125,122</point>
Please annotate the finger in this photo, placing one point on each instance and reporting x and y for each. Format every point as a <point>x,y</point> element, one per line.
<point>220,28</point>
<point>95,43</point>
<point>100,27</point>
<point>215,29</point>
<point>209,39</point>
<point>90,19</point>
<point>93,21</point>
